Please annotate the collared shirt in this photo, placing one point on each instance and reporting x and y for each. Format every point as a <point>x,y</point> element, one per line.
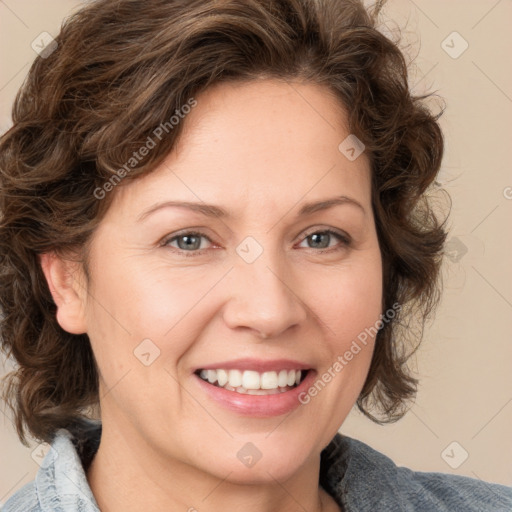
<point>359,478</point>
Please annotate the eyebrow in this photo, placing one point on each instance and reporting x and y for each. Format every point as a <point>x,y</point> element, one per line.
<point>210,210</point>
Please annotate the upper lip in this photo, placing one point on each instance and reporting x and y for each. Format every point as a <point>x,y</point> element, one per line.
<point>257,365</point>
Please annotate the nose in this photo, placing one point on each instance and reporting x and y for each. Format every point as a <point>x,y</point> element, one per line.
<point>263,298</point>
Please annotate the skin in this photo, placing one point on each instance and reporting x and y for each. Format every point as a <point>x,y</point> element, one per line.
<point>260,149</point>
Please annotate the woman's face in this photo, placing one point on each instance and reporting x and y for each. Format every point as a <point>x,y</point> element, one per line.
<point>263,288</point>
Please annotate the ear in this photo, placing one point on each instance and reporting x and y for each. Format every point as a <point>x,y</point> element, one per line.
<point>67,292</point>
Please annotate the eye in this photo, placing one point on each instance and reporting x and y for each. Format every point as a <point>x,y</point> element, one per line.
<point>321,239</point>
<point>189,241</point>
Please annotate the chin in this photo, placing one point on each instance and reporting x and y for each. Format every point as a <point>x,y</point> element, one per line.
<point>259,462</point>
<point>262,473</point>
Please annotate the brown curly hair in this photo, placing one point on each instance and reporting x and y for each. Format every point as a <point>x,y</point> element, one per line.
<point>121,68</point>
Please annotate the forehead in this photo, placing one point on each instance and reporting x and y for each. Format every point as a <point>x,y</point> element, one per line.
<point>257,145</point>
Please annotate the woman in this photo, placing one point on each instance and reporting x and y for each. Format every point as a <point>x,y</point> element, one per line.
<point>214,223</point>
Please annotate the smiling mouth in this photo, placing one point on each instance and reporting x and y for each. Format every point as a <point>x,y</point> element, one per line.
<point>250,382</point>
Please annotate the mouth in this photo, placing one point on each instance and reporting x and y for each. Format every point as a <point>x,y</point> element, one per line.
<point>251,382</point>
<point>256,388</point>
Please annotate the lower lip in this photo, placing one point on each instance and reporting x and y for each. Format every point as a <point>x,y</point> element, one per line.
<point>261,406</point>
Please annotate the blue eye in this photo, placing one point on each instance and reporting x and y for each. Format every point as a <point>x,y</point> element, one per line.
<point>189,242</point>
<point>319,237</point>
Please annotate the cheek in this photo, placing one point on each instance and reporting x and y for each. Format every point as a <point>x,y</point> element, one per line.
<point>349,310</point>
<point>134,302</point>
<point>350,303</point>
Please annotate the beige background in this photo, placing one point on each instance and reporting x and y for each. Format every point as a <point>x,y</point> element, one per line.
<point>465,361</point>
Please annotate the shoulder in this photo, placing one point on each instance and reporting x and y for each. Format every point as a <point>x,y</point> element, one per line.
<point>448,492</point>
<point>61,483</point>
<point>365,479</point>
<point>25,500</point>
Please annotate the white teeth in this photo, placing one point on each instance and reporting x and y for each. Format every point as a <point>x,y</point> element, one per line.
<point>222,377</point>
<point>235,378</point>
<point>269,380</point>
<point>249,380</point>
<point>282,379</point>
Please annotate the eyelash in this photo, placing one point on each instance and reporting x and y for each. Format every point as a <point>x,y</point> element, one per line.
<point>345,242</point>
